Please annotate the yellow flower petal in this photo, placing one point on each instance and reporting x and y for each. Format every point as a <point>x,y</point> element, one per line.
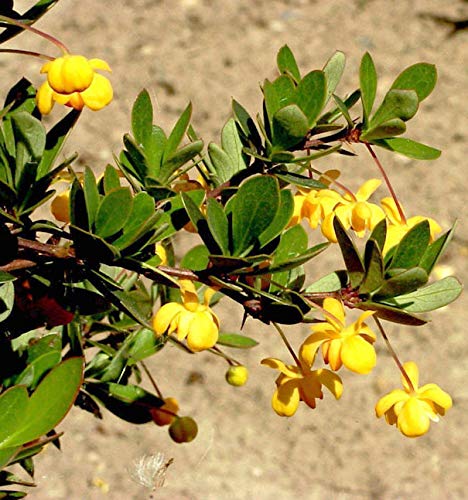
<point>358,355</point>
<point>165,315</point>
<point>413,421</point>
<point>310,346</point>
<point>367,189</point>
<point>434,393</point>
<point>391,210</point>
<point>44,99</point>
<point>327,228</point>
<point>99,64</point>
<point>203,332</point>
<point>336,310</point>
<point>310,389</point>
<point>386,402</point>
<point>332,354</point>
<point>288,370</point>
<point>331,381</point>
<point>285,400</point>
<point>99,93</point>
<point>184,323</point>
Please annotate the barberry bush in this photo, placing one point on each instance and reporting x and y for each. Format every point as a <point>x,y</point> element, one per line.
<point>91,292</point>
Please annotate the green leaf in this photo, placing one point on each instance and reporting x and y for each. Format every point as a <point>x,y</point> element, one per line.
<point>13,407</point>
<point>218,224</point>
<point>254,208</point>
<point>300,259</point>
<point>385,130</point>
<point>429,298</point>
<point>420,77</point>
<point>178,159</point>
<point>122,300</point>
<point>31,375</point>
<point>235,340</point>
<point>392,314</point>
<point>233,146</point>
<point>344,110</point>
<point>409,148</point>
<point>176,211</point>
<point>311,94</point>
<point>287,63</point>
<point>401,104</point>
<point>133,158</point>
<point>403,282</point>
<point>142,219</point>
<point>143,345</point>
<point>222,163</point>
<point>379,233</point>
<point>54,141</point>
<point>29,131</point>
<point>91,195</point>
<point>351,256</point>
<point>373,263</point>
<point>368,85</point>
<point>246,123</point>
<point>278,94</point>
<point>196,259</point>
<point>330,283</point>
<point>281,220</point>
<point>290,126</point>
<point>177,134</point>
<point>7,299</point>
<point>142,118</point>
<point>154,150</point>
<point>113,212</point>
<point>333,71</point>
<point>298,180</point>
<point>49,403</point>
<point>412,247</point>
<point>435,250</point>
<point>111,180</point>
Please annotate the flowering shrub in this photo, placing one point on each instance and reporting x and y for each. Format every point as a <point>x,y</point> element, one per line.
<point>87,296</point>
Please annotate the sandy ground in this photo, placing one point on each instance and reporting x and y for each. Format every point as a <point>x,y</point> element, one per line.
<point>208,51</point>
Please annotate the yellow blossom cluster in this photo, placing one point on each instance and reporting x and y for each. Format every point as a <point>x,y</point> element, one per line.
<point>341,345</point>
<point>410,409</point>
<point>355,211</point>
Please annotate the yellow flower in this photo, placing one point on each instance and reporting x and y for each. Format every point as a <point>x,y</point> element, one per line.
<point>300,383</point>
<point>412,410</point>
<point>72,80</point>
<point>355,212</point>
<point>60,206</point>
<point>341,345</point>
<point>396,228</point>
<point>315,204</point>
<point>191,320</point>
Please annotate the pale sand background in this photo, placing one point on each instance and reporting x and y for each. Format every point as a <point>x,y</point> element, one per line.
<point>208,51</point>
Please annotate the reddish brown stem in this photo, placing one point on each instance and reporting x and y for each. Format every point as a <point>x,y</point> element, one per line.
<point>387,182</point>
<point>394,354</point>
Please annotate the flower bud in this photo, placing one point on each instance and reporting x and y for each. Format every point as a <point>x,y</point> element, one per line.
<point>166,413</point>
<point>183,430</point>
<point>237,375</point>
